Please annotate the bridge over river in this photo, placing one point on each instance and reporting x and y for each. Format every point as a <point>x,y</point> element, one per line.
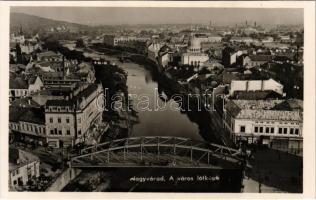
<point>156,151</point>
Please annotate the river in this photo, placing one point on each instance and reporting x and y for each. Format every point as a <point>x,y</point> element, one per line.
<point>165,120</point>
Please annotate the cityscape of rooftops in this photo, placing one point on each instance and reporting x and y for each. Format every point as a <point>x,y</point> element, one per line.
<point>118,99</point>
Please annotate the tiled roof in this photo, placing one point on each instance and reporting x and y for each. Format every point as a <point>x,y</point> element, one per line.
<point>24,102</point>
<point>26,114</point>
<point>262,110</point>
<point>85,93</point>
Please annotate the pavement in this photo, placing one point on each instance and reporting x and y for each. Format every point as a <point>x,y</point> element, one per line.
<point>277,170</point>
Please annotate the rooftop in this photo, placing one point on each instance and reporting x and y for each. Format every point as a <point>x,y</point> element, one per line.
<point>24,102</point>
<point>76,99</point>
<point>18,158</point>
<point>263,110</point>
<point>26,114</point>
<point>48,53</point>
<point>260,57</point>
<point>256,95</point>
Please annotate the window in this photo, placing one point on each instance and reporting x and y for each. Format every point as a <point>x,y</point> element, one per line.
<point>297,131</point>
<point>68,132</point>
<point>59,120</point>
<point>292,131</point>
<point>256,129</point>
<point>14,182</point>
<point>272,130</point>
<point>79,132</point>
<point>267,130</point>
<point>60,132</point>
<point>280,130</point>
<point>52,132</point>
<point>242,129</point>
<point>51,120</point>
<point>285,130</point>
<point>79,120</point>
<point>261,129</point>
<point>67,120</point>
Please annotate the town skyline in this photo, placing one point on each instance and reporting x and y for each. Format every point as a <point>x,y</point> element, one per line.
<point>159,16</point>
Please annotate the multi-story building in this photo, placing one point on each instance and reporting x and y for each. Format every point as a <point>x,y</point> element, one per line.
<point>256,60</point>
<point>277,123</point>
<point>19,87</point>
<point>165,55</point>
<point>23,166</point>
<point>255,85</point>
<point>69,114</point>
<point>114,40</point>
<point>27,123</point>
<point>194,56</point>
<point>68,120</point>
<point>229,56</point>
<point>152,51</point>
<point>49,56</point>
<point>246,40</point>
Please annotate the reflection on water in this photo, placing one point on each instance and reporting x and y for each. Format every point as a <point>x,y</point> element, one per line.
<point>164,122</point>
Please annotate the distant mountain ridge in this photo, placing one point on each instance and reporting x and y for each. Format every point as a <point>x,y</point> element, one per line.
<point>35,23</point>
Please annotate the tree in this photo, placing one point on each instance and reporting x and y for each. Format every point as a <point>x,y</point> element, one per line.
<point>18,53</point>
<point>80,43</point>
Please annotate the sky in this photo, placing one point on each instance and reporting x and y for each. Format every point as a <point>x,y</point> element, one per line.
<point>120,15</point>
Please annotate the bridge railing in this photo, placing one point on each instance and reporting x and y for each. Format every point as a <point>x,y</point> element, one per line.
<point>158,139</point>
<point>154,148</point>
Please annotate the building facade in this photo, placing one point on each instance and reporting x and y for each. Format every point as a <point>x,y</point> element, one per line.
<point>256,85</point>
<point>68,121</point>
<point>268,122</point>
<point>23,166</point>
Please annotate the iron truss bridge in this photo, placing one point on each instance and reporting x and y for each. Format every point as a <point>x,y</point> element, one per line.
<point>156,152</point>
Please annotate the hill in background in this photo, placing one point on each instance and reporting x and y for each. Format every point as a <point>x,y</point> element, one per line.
<point>31,24</point>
